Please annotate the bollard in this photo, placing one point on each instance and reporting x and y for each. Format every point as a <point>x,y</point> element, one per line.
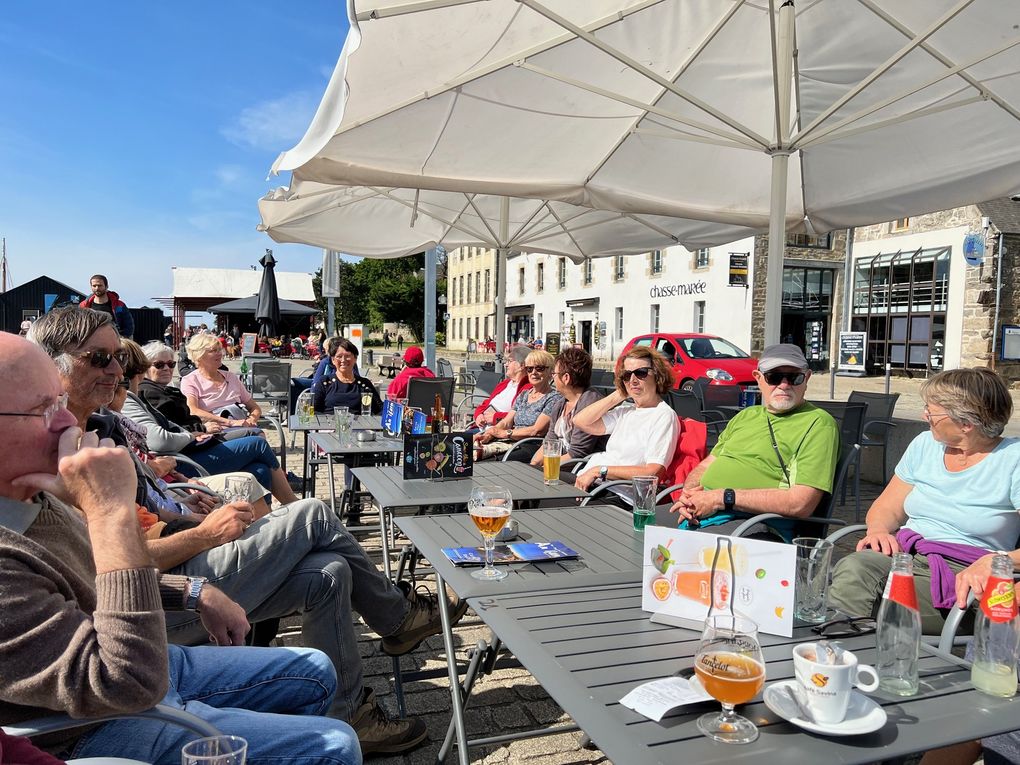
<point>888,377</point>
<point>832,383</point>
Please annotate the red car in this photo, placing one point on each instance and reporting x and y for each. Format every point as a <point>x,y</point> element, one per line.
<point>695,356</point>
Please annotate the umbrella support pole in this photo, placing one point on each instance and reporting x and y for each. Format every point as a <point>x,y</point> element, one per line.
<point>501,257</point>
<point>431,258</point>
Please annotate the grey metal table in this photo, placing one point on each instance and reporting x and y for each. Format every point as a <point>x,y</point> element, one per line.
<point>324,422</point>
<point>353,454</point>
<point>610,552</point>
<point>589,647</point>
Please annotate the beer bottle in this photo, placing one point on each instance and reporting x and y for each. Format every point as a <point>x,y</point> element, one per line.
<point>437,415</point>
<point>899,630</point>
<point>996,636</point>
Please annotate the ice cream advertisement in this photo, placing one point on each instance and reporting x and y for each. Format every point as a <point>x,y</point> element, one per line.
<point>438,456</point>
<point>678,579</point>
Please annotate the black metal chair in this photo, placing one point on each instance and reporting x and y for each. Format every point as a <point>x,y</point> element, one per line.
<point>422,391</point>
<point>849,415</point>
<point>602,377</point>
<point>877,422</point>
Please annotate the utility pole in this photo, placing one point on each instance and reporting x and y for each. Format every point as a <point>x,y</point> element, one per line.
<point>3,266</point>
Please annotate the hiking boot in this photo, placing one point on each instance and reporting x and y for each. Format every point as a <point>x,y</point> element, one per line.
<point>378,734</point>
<point>422,621</point>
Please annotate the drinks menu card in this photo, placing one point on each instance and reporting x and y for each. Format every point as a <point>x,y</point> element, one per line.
<point>517,552</point>
<point>677,580</point>
<point>438,456</point>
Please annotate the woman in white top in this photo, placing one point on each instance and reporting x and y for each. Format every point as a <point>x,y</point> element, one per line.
<point>643,435</point>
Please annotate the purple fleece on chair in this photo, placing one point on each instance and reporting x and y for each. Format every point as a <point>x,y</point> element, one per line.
<point>943,579</point>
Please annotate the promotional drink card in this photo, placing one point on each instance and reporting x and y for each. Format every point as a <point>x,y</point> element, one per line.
<point>516,552</point>
<point>438,456</point>
<point>392,416</point>
<point>677,582</point>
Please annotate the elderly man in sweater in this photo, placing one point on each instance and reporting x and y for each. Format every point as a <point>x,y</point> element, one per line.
<point>83,628</point>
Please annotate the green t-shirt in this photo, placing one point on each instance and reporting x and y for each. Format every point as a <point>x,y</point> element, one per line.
<point>808,439</point>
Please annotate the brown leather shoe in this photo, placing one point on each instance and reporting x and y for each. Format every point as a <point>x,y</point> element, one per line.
<point>422,621</point>
<point>378,734</point>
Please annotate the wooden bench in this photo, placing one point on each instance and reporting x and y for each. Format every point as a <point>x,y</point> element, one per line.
<point>390,365</point>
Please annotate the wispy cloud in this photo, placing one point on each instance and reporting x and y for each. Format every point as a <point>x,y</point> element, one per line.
<point>274,125</point>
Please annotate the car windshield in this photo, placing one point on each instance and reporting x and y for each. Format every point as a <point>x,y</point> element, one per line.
<point>711,348</point>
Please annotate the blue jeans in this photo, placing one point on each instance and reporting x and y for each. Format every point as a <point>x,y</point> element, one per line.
<point>272,697</point>
<point>251,454</point>
<point>301,559</point>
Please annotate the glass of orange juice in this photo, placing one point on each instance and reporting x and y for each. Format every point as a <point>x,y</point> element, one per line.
<point>731,669</point>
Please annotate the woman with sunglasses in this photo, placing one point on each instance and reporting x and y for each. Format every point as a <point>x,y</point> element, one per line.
<point>643,435</point>
<point>170,426</point>
<point>952,501</point>
<point>530,413</point>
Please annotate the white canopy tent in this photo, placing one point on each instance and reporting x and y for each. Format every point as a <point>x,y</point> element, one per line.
<point>751,113</point>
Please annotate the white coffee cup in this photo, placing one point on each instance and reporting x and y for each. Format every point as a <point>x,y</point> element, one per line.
<point>826,687</point>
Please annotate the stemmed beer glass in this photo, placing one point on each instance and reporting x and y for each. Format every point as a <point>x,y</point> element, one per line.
<point>731,669</point>
<point>490,508</point>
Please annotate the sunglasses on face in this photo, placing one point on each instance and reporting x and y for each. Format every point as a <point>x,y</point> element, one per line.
<point>532,370</point>
<point>641,374</point>
<point>101,359</point>
<point>164,364</point>
<point>846,626</point>
<point>123,384</point>
<point>776,378</point>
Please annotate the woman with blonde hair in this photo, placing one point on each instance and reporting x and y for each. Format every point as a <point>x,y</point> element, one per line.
<point>643,435</point>
<point>531,412</point>
<point>951,503</point>
<point>216,395</point>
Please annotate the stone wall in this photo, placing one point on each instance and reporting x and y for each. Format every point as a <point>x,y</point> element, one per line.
<point>796,256</point>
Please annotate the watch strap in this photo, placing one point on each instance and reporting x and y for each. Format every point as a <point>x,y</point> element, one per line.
<point>195,586</point>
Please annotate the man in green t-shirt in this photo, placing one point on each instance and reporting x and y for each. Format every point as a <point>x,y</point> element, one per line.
<point>779,457</point>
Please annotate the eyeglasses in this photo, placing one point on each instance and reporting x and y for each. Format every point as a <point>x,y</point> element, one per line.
<point>846,626</point>
<point>641,374</point>
<point>930,417</point>
<point>164,364</point>
<point>100,359</point>
<point>125,383</point>
<point>47,414</point>
<point>776,378</point>
<point>533,369</point>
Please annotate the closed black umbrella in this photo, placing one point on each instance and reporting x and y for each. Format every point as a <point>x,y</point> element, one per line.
<point>267,313</point>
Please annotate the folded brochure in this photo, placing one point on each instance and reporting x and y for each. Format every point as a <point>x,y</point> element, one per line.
<point>518,552</point>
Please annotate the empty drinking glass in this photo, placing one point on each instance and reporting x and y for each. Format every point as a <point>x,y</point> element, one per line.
<point>813,559</point>
<point>215,750</point>
<point>342,419</point>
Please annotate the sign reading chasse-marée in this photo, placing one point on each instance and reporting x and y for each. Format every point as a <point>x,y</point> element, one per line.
<point>679,290</point>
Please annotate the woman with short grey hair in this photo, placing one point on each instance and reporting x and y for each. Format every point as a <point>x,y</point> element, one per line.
<point>952,502</point>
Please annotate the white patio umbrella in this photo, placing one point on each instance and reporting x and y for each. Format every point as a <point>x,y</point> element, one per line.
<point>752,113</point>
<point>387,222</point>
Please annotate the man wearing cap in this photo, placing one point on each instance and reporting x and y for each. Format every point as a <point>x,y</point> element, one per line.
<point>779,457</point>
<point>413,361</point>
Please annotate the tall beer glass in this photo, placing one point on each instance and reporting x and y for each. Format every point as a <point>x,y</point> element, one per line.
<point>730,667</point>
<point>552,451</point>
<point>490,508</point>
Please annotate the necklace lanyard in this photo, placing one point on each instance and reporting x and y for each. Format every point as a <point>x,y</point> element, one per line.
<point>775,448</point>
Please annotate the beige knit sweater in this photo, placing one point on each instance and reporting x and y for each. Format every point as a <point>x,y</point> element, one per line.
<point>69,640</point>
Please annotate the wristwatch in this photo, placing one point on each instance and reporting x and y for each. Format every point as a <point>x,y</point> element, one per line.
<point>603,472</point>
<point>729,499</point>
<point>195,585</point>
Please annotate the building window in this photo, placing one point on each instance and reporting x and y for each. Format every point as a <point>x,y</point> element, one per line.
<point>541,276</point>
<point>538,328</point>
<point>587,271</point>
<point>478,286</point>
<point>476,328</point>
<point>701,259</point>
<point>561,273</point>
<point>619,323</point>
<point>812,241</point>
<point>520,280</point>
<point>469,288</point>
<point>460,290</point>
<point>618,272</point>
<point>901,224</point>
<point>462,328</point>
<point>653,321</point>
<point>563,320</point>
<point>699,315</point>
<point>656,261</point>
<point>488,281</point>
<point>900,300</point>
<point>486,327</point>
<point>471,252</point>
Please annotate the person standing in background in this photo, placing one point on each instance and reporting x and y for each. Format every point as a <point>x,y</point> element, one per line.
<point>106,301</point>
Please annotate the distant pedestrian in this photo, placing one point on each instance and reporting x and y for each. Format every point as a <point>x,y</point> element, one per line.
<point>386,340</point>
<point>168,336</point>
<point>104,300</point>
<point>400,343</point>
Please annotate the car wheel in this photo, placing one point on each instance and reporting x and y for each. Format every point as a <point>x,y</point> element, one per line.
<point>687,386</point>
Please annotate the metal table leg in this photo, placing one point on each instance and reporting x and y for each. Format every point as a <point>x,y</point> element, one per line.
<point>304,467</point>
<point>451,667</point>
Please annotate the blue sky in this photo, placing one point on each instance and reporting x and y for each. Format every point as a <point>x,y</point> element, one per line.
<point>135,136</point>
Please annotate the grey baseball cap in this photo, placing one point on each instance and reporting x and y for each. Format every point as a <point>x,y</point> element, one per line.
<point>782,355</point>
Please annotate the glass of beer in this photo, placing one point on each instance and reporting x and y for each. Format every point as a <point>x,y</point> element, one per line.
<point>731,669</point>
<point>552,451</point>
<point>490,508</point>
<point>366,402</point>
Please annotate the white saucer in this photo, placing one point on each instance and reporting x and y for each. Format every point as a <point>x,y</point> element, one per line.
<point>863,715</point>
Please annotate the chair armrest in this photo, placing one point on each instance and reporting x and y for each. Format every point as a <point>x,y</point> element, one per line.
<point>604,488</point>
<point>469,398</point>
<point>575,464</point>
<point>953,619</point>
<point>750,523</point>
<point>883,425</point>
<point>846,531</point>
<point>192,487</point>
<point>513,448</point>
<point>665,493</point>
<point>181,459</point>
<point>160,712</point>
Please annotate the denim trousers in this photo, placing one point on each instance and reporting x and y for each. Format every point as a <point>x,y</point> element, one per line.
<point>300,559</point>
<point>272,697</point>
<point>251,454</point>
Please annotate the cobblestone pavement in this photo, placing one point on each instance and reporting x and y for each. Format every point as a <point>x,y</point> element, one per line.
<point>509,700</point>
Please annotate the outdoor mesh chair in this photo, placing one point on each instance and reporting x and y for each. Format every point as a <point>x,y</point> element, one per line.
<point>877,422</point>
<point>849,415</point>
<point>422,391</point>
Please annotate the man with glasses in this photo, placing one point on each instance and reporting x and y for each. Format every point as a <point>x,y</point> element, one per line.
<point>779,457</point>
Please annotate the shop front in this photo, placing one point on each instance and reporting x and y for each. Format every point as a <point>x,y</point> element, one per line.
<point>807,310</point>
<point>520,323</point>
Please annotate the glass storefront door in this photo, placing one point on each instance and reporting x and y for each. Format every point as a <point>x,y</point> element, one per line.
<point>807,311</point>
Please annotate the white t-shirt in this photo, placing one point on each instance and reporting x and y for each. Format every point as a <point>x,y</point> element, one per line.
<point>504,400</point>
<point>638,436</point>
